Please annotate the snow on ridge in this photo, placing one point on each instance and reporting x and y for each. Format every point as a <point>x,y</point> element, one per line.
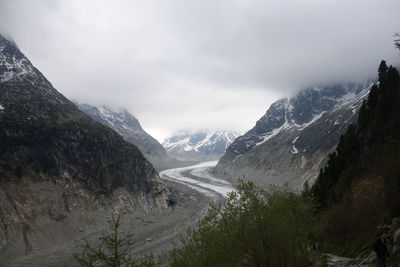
<point>314,119</point>
<point>287,125</point>
<point>283,111</point>
<point>352,98</point>
<point>185,142</point>
<point>1,107</point>
<point>274,132</point>
<point>114,118</point>
<point>14,67</point>
<point>179,143</point>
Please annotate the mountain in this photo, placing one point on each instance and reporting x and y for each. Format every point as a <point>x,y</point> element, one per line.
<point>291,142</point>
<point>199,146</point>
<point>130,129</point>
<point>61,173</point>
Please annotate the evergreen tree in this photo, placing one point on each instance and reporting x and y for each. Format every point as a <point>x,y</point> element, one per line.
<point>382,71</point>
<point>113,251</point>
<point>358,188</point>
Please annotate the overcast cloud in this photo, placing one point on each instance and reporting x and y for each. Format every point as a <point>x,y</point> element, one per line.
<point>209,64</point>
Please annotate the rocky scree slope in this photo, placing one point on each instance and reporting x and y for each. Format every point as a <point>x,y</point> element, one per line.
<point>291,142</point>
<point>130,129</point>
<point>199,146</point>
<point>61,172</point>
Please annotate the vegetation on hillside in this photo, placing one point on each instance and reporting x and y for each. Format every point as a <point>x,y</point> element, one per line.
<point>254,228</point>
<point>355,192</point>
<point>359,187</point>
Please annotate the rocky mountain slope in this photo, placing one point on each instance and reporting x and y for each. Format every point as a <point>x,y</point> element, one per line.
<point>61,173</point>
<point>199,146</point>
<point>291,142</point>
<point>130,129</point>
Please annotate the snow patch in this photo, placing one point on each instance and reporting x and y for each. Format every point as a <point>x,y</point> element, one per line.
<point>1,107</point>
<point>288,125</point>
<point>14,67</point>
<point>294,150</point>
<point>274,132</point>
<point>314,119</point>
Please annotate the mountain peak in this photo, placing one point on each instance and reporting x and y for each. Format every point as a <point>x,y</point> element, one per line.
<point>6,40</point>
<point>111,117</point>
<point>199,146</point>
<point>289,143</point>
<point>124,123</point>
<point>14,64</point>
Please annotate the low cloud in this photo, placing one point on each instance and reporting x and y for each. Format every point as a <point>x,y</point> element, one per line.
<point>187,65</point>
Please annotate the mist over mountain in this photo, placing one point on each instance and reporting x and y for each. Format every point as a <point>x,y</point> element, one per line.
<point>291,142</point>
<point>130,129</point>
<point>60,171</point>
<point>201,133</point>
<point>162,57</point>
<point>362,175</point>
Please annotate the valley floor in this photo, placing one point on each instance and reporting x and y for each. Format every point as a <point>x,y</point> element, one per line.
<point>191,191</point>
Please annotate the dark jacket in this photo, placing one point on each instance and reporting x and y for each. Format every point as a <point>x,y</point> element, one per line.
<point>381,249</point>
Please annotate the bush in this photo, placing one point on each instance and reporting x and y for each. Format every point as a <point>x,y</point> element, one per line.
<point>254,228</point>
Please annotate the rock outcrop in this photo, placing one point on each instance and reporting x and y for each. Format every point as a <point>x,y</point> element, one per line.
<point>291,142</point>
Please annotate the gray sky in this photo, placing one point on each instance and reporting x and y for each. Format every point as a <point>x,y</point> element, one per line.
<point>196,65</point>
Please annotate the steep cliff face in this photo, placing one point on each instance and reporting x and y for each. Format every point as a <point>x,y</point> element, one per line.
<point>57,164</point>
<point>290,143</point>
<point>130,129</point>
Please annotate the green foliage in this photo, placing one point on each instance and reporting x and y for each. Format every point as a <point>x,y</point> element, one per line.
<point>358,188</point>
<point>254,228</point>
<point>113,251</point>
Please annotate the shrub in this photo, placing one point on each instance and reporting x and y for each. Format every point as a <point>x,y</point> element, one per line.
<point>254,228</point>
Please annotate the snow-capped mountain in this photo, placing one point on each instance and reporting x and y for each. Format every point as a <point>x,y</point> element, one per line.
<point>290,143</point>
<point>13,63</point>
<point>61,172</point>
<point>128,127</point>
<point>199,146</point>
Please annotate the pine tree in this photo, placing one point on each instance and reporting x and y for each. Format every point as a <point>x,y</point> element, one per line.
<point>113,251</point>
<point>373,96</point>
<point>382,71</point>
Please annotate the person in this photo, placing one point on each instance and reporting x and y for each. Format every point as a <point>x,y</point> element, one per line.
<point>381,252</point>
